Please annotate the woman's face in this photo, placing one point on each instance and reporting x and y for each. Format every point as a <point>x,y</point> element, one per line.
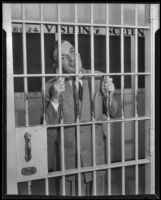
<point>68,58</point>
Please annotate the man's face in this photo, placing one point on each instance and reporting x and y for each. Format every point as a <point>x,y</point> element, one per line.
<point>68,58</point>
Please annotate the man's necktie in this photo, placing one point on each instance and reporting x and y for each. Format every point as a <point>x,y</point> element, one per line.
<point>80,91</point>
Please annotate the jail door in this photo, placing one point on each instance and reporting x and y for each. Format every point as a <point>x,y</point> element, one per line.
<point>27,162</point>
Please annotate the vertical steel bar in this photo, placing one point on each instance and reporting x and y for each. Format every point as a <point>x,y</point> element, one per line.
<point>136,95</point>
<point>136,179</point>
<point>122,64</point>
<point>93,115</point>
<point>29,190</point>
<point>62,121</point>
<point>122,100</point>
<point>43,81</point>
<point>152,94</point>
<point>123,180</point>
<point>77,88</point>
<point>109,181</point>
<point>25,66</point>
<point>151,21</point>
<point>108,146</point>
<point>59,41</point>
<point>42,62</point>
<point>46,186</point>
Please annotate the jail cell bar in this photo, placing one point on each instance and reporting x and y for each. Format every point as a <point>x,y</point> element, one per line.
<point>94,168</point>
<point>77,106</point>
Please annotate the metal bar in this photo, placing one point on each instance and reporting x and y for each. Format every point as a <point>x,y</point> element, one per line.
<point>29,190</point>
<point>136,102</point>
<point>93,114</point>
<point>46,186</point>
<point>61,120</point>
<point>79,24</point>
<point>84,74</point>
<point>19,95</point>
<point>123,140</point>
<point>109,181</point>
<point>97,122</point>
<point>25,67</point>
<point>150,98</point>
<point>123,180</point>
<point>136,139</point>
<point>108,143</point>
<point>136,180</point>
<point>90,169</point>
<point>11,159</point>
<point>94,183</point>
<point>77,88</point>
<point>123,154</point>
<point>107,41</point>
<point>42,63</point>
<point>79,184</point>
<point>59,42</point>
<point>77,72</point>
<point>152,92</point>
<point>136,63</point>
<point>122,101</point>
<point>63,184</point>
<point>122,65</point>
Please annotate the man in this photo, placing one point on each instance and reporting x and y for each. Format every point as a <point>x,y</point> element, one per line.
<point>63,90</point>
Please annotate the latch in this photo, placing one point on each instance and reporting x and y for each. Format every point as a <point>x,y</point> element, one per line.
<point>28,155</point>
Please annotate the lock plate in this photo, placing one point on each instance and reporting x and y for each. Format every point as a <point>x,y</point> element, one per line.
<point>35,149</point>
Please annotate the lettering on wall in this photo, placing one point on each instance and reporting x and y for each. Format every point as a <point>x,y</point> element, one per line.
<point>69,29</point>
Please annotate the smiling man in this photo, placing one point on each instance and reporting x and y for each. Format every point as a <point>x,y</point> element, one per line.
<point>66,89</point>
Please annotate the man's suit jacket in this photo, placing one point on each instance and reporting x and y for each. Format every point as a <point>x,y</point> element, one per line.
<point>69,116</point>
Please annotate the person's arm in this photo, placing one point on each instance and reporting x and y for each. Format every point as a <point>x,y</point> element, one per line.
<point>107,89</point>
<point>52,113</point>
<point>52,110</point>
<point>112,107</point>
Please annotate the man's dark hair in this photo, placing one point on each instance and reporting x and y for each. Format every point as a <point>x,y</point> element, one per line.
<point>53,47</point>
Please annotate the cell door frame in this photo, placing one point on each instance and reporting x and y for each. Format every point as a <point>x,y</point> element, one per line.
<point>10,135</point>
<point>11,139</point>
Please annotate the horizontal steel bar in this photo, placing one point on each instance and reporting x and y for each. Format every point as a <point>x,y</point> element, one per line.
<point>85,74</point>
<point>95,122</point>
<point>90,169</point>
<point>20,95</point>
<point>79,24</point>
